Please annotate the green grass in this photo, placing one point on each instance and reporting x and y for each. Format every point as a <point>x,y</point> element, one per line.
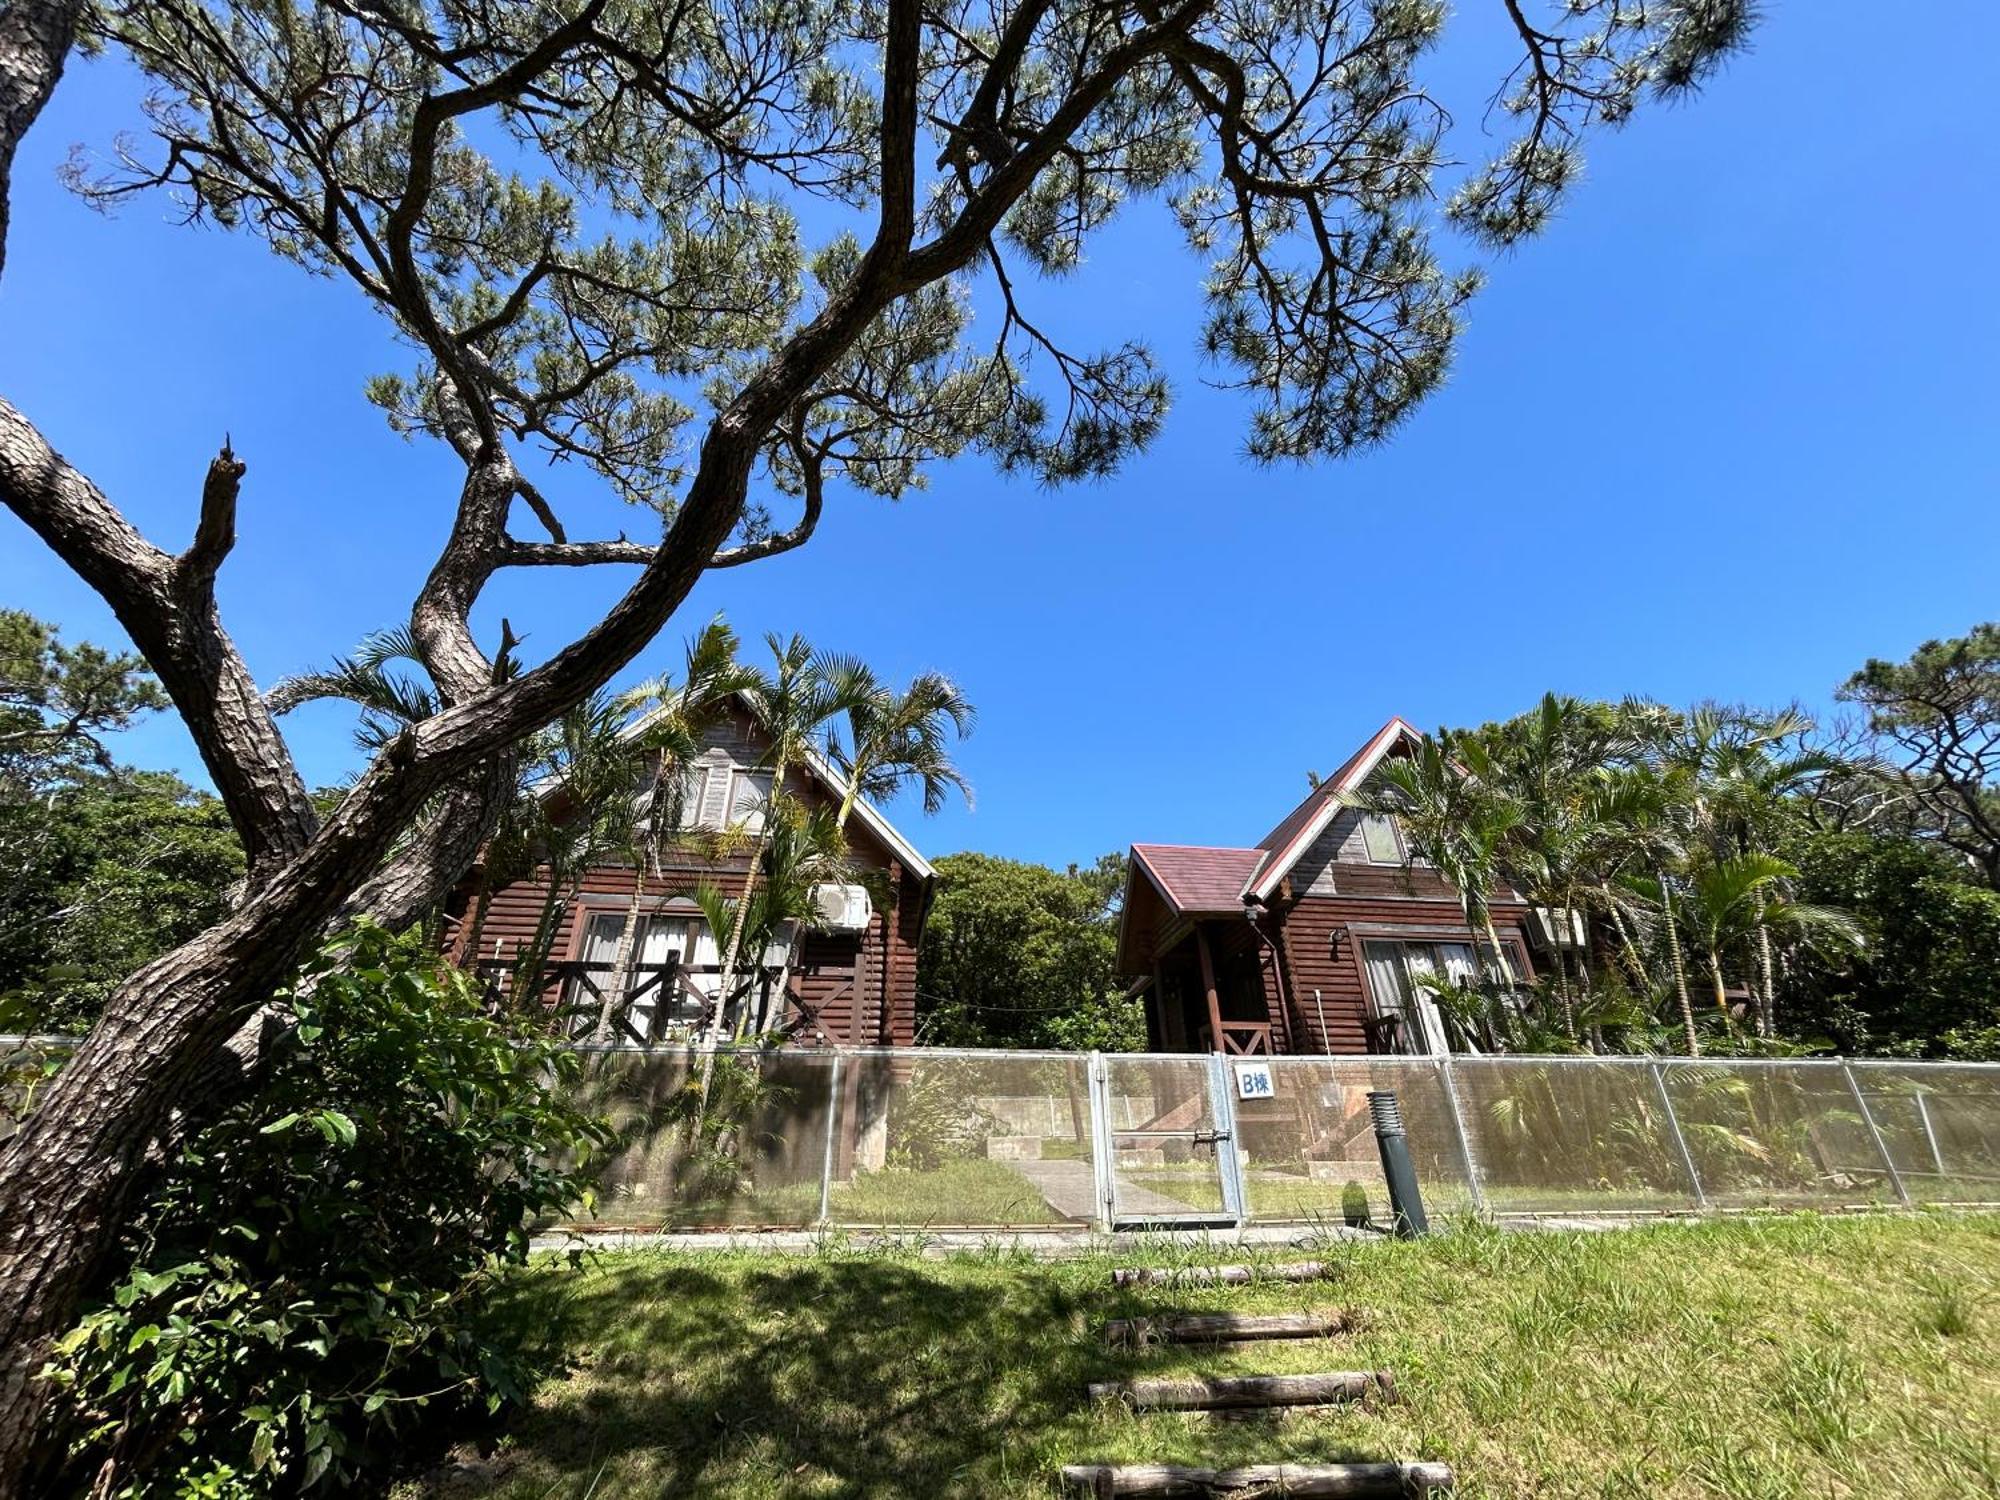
<point>1759,1359</point>
<point>974,1191</point>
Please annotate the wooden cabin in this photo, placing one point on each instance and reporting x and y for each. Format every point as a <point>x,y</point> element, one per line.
<point>849,980</point>
<point>1312,939</point>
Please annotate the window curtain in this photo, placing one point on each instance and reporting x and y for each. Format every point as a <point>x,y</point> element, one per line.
<point>1389,984</point>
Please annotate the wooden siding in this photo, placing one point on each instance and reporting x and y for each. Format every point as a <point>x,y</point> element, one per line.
<point>1323,955</point>
<point>854,990</point>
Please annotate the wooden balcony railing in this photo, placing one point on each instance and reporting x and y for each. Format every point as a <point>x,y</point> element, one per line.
<point>656,1003</point>
<point>1241,1038</point>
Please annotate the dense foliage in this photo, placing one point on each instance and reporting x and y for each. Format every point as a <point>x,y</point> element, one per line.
<point>104,874</point>
<point>1928,982</point>
<point>1747,880</point>
<point>101,867</point>
<point>1019,955</point>
<point>309,1281</point>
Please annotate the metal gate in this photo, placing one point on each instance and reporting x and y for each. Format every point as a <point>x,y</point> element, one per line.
<point>1166,1147</point>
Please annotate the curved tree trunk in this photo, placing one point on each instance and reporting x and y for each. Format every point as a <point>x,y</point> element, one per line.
<point>69,1176</point>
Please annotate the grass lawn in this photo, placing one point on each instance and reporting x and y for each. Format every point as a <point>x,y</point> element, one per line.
<point>975,1192</point>
<point>959,1192</point>
<point>1753,1359</point>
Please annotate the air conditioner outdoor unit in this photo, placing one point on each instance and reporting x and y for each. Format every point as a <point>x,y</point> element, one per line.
<point>842,908</point>
<point>1556,927</point>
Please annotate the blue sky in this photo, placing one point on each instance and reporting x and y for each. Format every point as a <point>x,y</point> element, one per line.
<point>1725,430</point>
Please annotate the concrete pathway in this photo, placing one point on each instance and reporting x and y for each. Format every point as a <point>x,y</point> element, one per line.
<point>1070,1188</point>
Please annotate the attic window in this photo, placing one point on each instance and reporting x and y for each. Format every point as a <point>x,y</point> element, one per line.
<point>1380,839</point>
<point>750,795</point>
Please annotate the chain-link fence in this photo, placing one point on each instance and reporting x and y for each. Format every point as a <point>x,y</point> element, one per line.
<point>922,1138</point>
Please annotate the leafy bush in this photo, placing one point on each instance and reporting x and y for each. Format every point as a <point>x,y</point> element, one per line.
<point>935,1119</point>
<point>311,1277</point>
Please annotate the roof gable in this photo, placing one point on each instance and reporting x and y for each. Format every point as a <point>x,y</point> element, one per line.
<point>820,769</point>
<point>1296,833</point>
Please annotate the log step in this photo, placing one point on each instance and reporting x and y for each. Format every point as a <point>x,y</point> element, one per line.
<point>1298,1270</point>
<point>1237,1391</point>
<point>1226,1328</point>
<point>1385,1481</point>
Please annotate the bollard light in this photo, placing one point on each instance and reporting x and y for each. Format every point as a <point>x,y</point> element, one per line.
<point>1406,1204</point>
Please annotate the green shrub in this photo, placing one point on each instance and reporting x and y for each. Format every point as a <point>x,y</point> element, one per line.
<point>935,1119</point>
<point>310,1279</point>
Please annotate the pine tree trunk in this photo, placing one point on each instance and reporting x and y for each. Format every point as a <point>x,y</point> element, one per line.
<point>70,1174</point>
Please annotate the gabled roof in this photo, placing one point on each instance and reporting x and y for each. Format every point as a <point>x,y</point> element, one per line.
<point>1198,882</point>
<point>828,776</point>
<point>1288,842</point>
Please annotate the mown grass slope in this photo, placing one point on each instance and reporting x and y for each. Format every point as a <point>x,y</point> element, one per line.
<point>1755,1359</point>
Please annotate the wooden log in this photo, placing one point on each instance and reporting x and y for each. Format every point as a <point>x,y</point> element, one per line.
<point>1226,1328</point>
<point>1298,1270</point>
<point>1193,1394</point>
<point>1383,1481</point>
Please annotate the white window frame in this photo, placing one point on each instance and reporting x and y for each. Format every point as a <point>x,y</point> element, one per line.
<point>1395,837</point>
<point>754,820</point>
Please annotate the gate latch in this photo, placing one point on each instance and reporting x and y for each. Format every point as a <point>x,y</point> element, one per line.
<point>1210,1137</point>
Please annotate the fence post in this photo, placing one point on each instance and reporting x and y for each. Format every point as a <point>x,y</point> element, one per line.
<point>1868,1119</point>
<point>1930,1135</point>
<point>1228,1157</point>
<point>1464,1139</point>
<point>826,1156</point>
<point>1101,1146</point>
<point>1680,1140</point>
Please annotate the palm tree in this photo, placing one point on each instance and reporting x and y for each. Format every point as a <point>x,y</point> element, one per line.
<point>1549,762</point>
<point>390,700</point>
<point>1742,769</point>
<point>1456,821</point>
<point>805,849</point>
<point>794,706</point>
<point>896,738</point>
<point>666,739</point>
<point>1732,898</point>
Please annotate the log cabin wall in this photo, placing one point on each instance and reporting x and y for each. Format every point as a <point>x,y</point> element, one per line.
<point>1339,892</point>
<point>850,989</point>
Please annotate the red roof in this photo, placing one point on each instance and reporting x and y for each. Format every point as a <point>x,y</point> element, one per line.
<point>1199,882</point>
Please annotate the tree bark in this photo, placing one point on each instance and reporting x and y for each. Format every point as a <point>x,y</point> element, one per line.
<point>1237,1391</point>
<point>35,40</point>
<point>1301,1270</point>
<point>1224,1328</point>
<point>1767,998</point>
<point>68,1178</point>
<point>1365,1481</point>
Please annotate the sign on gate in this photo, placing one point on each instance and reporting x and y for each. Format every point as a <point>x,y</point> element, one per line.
<point>1253,1081</point>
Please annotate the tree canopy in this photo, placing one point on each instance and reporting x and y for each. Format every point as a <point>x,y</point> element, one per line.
<point>1939,714</point>
<point>1019,955</point>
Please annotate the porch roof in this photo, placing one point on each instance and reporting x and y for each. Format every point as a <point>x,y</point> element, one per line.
<point>1199,882</point>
